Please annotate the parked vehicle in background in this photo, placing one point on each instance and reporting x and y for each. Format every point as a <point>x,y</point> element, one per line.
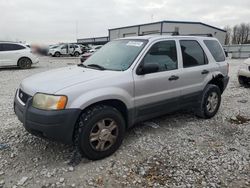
<point>127,81</point>
<point>95,48</point>
<point>84,48</point>
<point>85,56</point>
<point>66,49</point>
<point>244,73</point>
<point>89,53</point>
<point>16,54</point>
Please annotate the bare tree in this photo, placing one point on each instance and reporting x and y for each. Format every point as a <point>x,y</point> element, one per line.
<point>238,34</point>
<point>247,39</point>
<point>228,34</point>
<point>235,34</point>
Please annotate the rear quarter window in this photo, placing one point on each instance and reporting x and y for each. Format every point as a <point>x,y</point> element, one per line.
<point>215,49</point>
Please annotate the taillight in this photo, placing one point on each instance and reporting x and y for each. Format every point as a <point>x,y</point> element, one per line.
<point>227,68</point>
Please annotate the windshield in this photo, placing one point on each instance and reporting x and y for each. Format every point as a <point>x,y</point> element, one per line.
<point>117,55</point>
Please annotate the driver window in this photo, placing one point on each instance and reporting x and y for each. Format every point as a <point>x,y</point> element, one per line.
<point>64,47</point>
<point>164,54</point>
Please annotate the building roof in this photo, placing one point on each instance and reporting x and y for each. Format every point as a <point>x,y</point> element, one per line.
<point>167,21</point>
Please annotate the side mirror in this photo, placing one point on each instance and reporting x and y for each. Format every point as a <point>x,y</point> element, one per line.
<point>147,68</point>
<point>226,53</point>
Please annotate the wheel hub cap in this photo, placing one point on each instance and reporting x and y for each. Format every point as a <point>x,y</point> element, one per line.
<point>212,102</point>
<point>103,134</point>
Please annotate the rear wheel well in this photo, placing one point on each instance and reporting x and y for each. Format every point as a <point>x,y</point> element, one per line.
<point>218,81</point>
<point>119,105</point>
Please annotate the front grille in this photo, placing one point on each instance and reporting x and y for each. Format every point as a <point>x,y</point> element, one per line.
<point>23,96</point>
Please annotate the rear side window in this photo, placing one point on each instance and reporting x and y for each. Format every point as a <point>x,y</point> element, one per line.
<point>215,49</point>
<point>11,47</point>
<point>1,47</point>
<point>192,53</point>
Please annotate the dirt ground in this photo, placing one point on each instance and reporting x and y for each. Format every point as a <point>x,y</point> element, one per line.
<point>176,150</point>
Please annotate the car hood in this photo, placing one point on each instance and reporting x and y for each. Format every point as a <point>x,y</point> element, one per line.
<point>58,79</point>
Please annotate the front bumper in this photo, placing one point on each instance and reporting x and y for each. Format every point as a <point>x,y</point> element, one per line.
<point>55,125</point>
<point>36,60</point>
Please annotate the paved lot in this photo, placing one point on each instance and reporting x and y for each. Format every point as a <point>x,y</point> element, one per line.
<point>177,150</point>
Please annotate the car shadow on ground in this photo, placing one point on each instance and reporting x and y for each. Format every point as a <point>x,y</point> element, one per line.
<point>15,68</point>
<point>50,150</point>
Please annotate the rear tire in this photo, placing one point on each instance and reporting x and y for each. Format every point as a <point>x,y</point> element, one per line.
<point>24,63</point>
<point>100,132</point>
<point>209,102</point>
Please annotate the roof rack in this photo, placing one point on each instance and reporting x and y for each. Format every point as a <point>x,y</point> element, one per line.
<point>200,34</point>
<point>173,33</point>
<point>176,33</point>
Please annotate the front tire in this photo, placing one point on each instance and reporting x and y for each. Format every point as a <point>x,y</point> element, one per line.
<point>209,102</point>
<point>76,54</point>
<point>100,132</point>
<point>242,80</point>
<point>57,54</point>
<point>24,63</point>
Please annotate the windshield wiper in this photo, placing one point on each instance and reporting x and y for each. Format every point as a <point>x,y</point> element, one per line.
<point>81,65</point>
<point>96,66</point>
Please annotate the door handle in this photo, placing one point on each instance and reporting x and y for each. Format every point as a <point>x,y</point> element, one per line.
<point>205,72</point>
<point>173,77</point>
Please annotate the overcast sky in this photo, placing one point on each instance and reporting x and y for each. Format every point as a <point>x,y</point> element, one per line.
<point>52,21</point>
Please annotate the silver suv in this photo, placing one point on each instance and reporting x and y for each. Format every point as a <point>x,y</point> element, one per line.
<point>127,81</point>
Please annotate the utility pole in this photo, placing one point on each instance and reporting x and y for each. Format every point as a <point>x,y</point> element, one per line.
<point>76,29</point>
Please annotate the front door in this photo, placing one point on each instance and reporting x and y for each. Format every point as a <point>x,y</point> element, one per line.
<point>157,93</point>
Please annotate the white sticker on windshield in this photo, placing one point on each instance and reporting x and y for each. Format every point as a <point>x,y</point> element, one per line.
<point>134,43</point>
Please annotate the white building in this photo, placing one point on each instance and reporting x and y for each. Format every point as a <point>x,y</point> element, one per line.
<point>163,27</point>
<point>168,27</point>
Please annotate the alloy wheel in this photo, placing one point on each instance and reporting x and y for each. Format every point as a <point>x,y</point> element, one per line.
<point>103,134</point>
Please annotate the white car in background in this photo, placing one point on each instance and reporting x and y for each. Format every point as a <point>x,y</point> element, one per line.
<point>94,48</point>
<point>244,73</point>
<point>16,54</point>
<point>66,49</point>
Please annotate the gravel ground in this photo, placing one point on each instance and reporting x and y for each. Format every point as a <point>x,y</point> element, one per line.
<point>177,150</point>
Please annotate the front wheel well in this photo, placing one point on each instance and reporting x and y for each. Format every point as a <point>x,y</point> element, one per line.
<point>117,104</point>
<point>218,81</point>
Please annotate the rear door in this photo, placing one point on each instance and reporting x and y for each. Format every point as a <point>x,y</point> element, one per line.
<point>157,93</point>
<point>195,70</point>
<point>10,53</point>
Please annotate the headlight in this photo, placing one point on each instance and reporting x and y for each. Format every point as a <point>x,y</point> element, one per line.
<point>49,102</point>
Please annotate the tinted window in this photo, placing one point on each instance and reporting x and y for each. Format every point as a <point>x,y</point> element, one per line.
<point>215,49</point>
<point>64,47</point>
<point>1,47</point>
<point>164,54</point>
<point>11,47</point>
<point>192,53</point>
